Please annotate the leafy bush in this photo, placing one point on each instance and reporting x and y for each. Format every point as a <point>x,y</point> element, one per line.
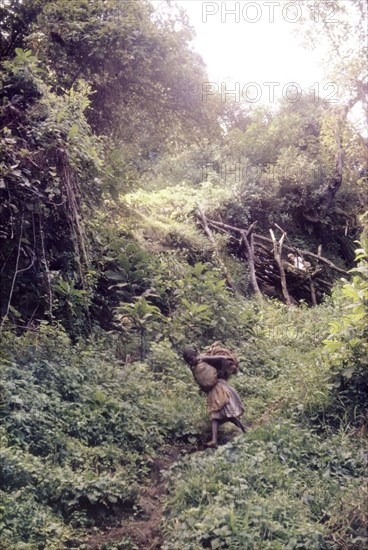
<point>346,348</point>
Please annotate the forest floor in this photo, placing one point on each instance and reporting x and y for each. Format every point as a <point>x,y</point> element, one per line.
<point>143,528</point>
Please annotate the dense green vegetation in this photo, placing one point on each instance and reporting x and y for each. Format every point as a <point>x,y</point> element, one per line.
<point>80,428</point>
<point>111,165</point>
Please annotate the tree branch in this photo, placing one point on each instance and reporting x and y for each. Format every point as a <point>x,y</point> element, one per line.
<point>249,246</point>
<point>277,250</point>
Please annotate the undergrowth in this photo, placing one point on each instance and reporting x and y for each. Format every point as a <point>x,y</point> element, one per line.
<point>298,478</point>
<point>79,431</point>
<point>82,421</point>
<point>279,486</point>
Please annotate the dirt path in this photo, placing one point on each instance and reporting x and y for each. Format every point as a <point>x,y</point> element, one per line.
<point>144,529</point>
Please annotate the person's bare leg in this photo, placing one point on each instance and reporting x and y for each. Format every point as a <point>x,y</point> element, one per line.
<point>213,442</point>
<point>237,423</point>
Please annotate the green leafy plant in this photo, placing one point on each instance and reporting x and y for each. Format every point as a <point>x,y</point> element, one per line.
<point>347,348</point>
<point>142,317</point>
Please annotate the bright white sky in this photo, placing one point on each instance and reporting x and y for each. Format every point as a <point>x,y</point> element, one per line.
<point>260,44</point>
<point>266,50</point>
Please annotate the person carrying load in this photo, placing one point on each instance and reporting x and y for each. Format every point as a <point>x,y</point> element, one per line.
<point>211,371</point>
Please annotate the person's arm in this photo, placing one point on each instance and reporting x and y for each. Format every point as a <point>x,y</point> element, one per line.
<point>219,362</point>
<point>214,360</point>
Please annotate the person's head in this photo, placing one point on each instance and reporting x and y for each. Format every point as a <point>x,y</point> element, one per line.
<point>190,355</point>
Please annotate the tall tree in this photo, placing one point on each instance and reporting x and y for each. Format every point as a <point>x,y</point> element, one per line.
<point>343,36</point>
<point>145,77</point>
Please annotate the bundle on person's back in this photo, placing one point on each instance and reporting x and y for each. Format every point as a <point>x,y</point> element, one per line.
<point>216,362</point>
